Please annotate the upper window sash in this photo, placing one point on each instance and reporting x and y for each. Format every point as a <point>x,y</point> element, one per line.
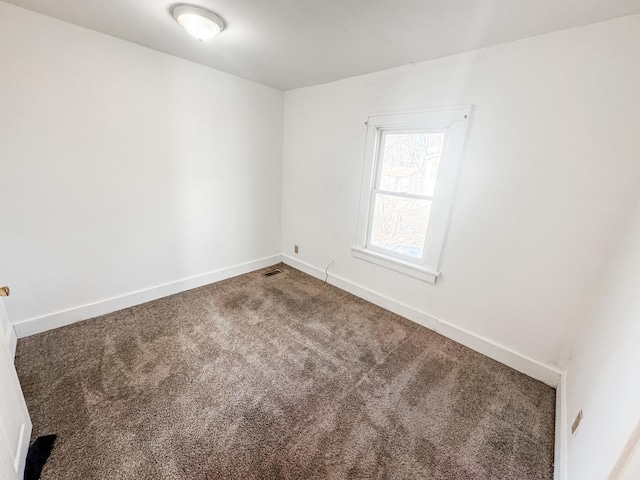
<point>380,145</point>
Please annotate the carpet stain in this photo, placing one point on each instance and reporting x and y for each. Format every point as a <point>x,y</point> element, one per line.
<point>281,377</point>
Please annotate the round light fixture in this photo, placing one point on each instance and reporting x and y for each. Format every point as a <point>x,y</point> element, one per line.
<point>197,21</point>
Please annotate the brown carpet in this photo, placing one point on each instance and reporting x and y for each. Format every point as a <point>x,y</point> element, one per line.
<point>280,377</point>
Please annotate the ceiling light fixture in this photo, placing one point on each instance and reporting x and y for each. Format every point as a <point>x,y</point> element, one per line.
<point>197,21</point>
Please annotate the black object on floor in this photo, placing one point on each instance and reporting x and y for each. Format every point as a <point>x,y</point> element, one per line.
<point>37,456</point>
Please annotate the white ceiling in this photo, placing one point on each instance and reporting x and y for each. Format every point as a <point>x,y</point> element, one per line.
<point>294,43</point>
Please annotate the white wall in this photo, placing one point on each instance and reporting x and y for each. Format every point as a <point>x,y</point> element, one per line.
<point>122,168</point>
<point>551,163</point>
<point>603,377</point>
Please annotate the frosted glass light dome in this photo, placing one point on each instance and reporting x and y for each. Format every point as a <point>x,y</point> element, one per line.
<point>198,22</point>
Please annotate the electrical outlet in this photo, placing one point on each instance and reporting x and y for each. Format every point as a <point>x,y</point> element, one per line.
<point>295,249</point>
<point>576,422</point>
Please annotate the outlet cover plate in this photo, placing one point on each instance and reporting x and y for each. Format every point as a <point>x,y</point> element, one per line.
<point>576,423</point>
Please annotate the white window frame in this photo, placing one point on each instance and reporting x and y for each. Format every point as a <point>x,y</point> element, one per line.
<point>455,122</point>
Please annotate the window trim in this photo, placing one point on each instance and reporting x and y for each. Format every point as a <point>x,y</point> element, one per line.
<point>455,120</point>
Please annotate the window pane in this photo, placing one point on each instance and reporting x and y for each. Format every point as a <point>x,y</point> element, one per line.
<point>400,224</point>
<point>410,162</point>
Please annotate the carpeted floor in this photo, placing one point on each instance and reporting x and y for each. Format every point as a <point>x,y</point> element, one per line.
<point>280,377</point>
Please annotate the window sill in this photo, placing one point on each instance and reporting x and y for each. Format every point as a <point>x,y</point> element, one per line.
<point>405,268</point>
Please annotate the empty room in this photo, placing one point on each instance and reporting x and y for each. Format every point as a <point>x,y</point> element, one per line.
<point>320,240</point>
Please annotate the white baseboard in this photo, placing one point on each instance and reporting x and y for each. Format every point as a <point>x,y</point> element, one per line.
<point>67,317</point>
<point>560,452</point>
<point>548,374</point>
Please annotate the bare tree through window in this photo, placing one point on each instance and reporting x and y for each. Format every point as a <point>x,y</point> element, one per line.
<point>406,185</point>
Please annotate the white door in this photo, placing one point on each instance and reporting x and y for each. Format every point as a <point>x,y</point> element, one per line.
<point>630,458</point>
<point>15,424</point>
<point>632,470</point>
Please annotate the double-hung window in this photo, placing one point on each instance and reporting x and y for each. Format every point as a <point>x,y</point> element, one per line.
<point>411,167</point>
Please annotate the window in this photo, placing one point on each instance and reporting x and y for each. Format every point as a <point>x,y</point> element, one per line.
<point>411,167</point>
